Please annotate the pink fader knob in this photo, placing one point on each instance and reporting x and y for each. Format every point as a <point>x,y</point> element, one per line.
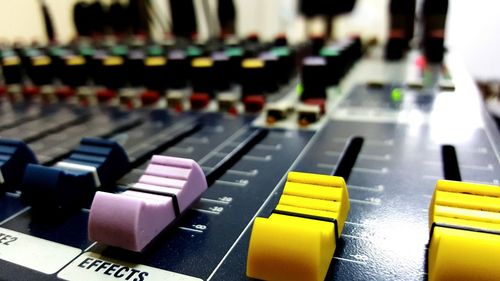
<point>132,219</point>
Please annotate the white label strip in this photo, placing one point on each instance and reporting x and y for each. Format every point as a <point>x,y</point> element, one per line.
<point>35,253</point>
<point>79,167</point>
<point>92,266</point>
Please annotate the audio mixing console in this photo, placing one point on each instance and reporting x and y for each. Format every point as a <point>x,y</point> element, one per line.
<point>76,119</point>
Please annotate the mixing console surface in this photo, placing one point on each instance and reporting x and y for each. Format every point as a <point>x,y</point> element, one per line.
<point>406,119</point>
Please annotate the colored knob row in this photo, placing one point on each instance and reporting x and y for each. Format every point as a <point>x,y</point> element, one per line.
<point>258,73</point>
<point>298,240</point>
<point>154,66</point>
<point>255,75</point>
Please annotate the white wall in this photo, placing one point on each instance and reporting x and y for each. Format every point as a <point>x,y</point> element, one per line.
<point>22,19</point>
<point>474,33</point>
<point>472,25</point>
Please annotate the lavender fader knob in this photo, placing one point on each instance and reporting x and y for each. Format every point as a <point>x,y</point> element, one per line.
<point>132,219</point>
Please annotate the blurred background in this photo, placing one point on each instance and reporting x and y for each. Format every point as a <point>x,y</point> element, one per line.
<point>472,26</point>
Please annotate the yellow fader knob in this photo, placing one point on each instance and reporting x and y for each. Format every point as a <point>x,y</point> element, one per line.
<point>298,240</point>
<point>464,219</point>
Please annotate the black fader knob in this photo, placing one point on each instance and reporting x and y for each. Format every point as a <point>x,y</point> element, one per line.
<point>74,71</point>
<point>135,67</point>
<point>222,68</point>
<point>155,73</point>
<point>336,62</point>
<point>314,78</point>
<point>177,69</point>
<point>112,72</point>
<point>236,57</point>
<point>286,64</point>
<point>12,70</point>
<point>253,76</point>
<point>41,70</point>
<point>202,75</point>
<point>271,68</point>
